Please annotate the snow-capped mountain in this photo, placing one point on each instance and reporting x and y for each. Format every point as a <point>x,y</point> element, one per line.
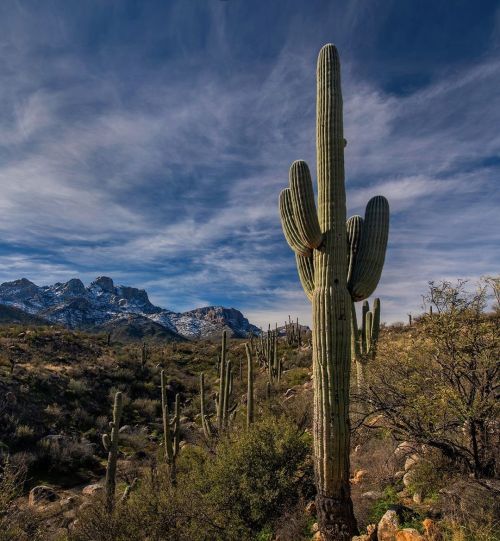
<point>104,305</point>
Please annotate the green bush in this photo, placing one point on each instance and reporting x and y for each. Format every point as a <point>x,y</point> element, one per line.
<point>239,492</point>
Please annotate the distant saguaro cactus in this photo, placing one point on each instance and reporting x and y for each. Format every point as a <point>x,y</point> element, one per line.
<point>364,342</point>
<point>250,397</point>
<point>110,443</point>
<point>171,429</point>
<point>334,269</point>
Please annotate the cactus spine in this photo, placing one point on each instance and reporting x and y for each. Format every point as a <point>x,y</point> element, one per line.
<point>110,443</point>
<point>171,429</point>
<point>331,281</point>
<point>364,343</point>
<point>250,397</point>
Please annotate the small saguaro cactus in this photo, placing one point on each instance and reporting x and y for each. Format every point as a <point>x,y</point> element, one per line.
<point>321,240</point>
<point>205,421</point>
<point>171,429</point>
<point>110,443</point>
<point>250,397</point>
<point>364,341</point>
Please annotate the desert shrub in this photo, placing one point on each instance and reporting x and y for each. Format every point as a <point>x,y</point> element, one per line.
<point>77,387</point>
<point>64,455</point>
<point>435,384</point>
<point>238,493</point>
<point>146,408</point>
<point>24,436</point>
<point>15,523</point>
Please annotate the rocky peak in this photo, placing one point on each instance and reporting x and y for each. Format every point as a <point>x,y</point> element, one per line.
<point>104,283</point>
<point>71,288</point>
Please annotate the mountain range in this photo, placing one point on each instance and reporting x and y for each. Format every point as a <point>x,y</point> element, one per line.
<point>124,311</point>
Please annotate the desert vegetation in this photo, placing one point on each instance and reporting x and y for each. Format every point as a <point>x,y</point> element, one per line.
<point>424,432</point>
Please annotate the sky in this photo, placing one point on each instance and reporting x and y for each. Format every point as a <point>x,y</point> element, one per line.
<point>149,140</point>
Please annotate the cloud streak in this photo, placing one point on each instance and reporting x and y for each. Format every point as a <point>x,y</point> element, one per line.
<point>166,173</point>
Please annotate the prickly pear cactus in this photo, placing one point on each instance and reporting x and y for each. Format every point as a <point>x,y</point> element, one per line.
<point>334,268</point>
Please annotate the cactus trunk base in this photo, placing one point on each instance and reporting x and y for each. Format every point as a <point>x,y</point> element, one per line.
<point>336,517</point>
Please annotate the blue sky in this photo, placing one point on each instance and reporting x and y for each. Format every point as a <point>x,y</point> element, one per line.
<point>148,141</point>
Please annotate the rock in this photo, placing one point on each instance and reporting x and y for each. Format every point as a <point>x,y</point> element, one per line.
<point>388,526</point>
<point>405,448</point>
<point>359,476</point>
<point>41,494</point>
<point>372,495</point>
<point>371,531</point>
<point>311,509</point>
<point>290,392</point>
<point>417,497</point>
<point>432,530</point>
<point>399,475</point>
<point>315,527</point>
<point>91,490</point>
<point>317,537</point>
<point>68,502</point>
<point>409,534</point>
<point>125,429</point>
<point>408,478</point>
<point>411,461</point>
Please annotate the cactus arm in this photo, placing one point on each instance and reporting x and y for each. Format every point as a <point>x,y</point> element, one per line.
<point>354,227</point>
<point>304,208</point>
<point>289,225</point>
<point>365,309</point>
<point>305,268</point>
<point>371,252</point>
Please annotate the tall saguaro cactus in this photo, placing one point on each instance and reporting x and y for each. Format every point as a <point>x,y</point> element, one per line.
<point>110,443</point>
<point>333,270</point>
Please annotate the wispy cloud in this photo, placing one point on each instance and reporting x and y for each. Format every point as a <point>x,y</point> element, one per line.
<point>164,172</point>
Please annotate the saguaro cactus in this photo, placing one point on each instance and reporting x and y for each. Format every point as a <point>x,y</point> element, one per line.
<point>364,343</point>
<point>250,397</point>
<point>332,272</point>
<point>171,429</point>
<point>110,443</point>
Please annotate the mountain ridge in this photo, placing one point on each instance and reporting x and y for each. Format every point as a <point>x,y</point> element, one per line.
<point>102,305</point>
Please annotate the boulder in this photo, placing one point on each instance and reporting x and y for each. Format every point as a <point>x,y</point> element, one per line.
<point>91,490</point>
<point>311,509</point>
<point>411,461</point>
<point>408,478</point>
<point>388,526</point>
<point>41,494</point>
<point>370,535</point>
<point>372,495</point>
<point>359,476</point>
<point>409,534</point>
<point>432,530</point>
<point>405,448</point>
<point>315,527</point>
<point>125,429</point>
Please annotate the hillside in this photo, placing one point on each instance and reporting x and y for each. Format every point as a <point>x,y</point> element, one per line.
<point>57,388</point>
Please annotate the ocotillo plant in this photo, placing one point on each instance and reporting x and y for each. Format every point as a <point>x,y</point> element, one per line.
<point>110,443</point>
<point>331,280</point>
<point>250,397</point>
<point>171,429</point>
<point>364,341</point>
